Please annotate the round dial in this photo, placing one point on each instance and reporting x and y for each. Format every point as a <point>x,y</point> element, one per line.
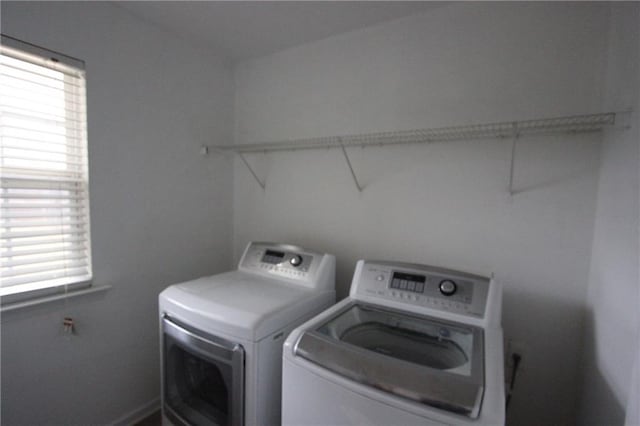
<point>448,287</point>
<point>296,260</point>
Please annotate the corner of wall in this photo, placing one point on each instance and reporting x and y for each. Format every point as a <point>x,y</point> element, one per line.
<point>612,325</point>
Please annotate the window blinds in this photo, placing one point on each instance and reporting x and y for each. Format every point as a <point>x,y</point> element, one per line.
<point>44,200</point>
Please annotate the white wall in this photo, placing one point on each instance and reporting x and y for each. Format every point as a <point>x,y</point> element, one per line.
<point>612,326</point>
<point>160,212</point>
<point>443,204</point>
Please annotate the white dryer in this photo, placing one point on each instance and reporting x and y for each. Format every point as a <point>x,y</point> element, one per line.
<point>222,335</point>
<point>411,345</point>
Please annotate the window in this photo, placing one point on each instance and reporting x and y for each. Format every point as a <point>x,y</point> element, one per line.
<point>44,191</point>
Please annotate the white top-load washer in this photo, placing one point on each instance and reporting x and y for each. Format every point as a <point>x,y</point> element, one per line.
<point>222,335</point>
<point>411,345</point>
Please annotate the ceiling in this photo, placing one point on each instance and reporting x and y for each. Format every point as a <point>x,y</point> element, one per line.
<point>246,29</point>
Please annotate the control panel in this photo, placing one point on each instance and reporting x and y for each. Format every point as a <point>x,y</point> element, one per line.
<point>422,285</point>
<point>280,260</point>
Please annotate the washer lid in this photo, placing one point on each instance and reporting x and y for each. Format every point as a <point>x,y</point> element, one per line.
<point>431,361</point>
<point>240,304</point>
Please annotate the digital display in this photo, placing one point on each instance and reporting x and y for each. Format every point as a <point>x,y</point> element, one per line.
<point>408,282</point>
<point>273,257</point>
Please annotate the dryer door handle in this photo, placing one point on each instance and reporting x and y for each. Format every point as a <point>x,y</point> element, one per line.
<point>213,347</point>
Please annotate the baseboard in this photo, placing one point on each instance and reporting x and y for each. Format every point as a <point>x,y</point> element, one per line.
<point>138,414</point>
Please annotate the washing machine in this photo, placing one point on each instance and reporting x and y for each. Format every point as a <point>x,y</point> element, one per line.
<point>411,345</point>
<point>222,335</point>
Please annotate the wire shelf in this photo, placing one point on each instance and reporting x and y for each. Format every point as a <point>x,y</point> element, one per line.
<point>546,126</point>
<point>509,129</point>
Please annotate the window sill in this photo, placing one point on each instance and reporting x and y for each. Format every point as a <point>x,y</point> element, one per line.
<point>41,300</point>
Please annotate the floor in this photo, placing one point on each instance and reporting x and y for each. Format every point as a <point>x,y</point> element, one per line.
<point>154,419</point>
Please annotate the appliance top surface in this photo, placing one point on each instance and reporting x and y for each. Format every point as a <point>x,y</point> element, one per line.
<point>245,293</point>
<point>274,285</point>
<point>431,361</point>
<point>418,339</point>
<point>240,304</point>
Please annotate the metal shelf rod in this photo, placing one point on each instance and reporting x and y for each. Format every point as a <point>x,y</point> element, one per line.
<point>353,174</point>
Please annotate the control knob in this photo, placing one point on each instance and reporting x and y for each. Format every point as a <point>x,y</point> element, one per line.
<point>296,260</point>
<point>448,287</point>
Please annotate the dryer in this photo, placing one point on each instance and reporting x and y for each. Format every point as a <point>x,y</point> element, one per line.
<point>411,345</point>
<point>222,335</point>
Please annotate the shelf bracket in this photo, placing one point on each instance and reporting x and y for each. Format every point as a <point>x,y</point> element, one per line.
<point>353,174</point>
<point>514,141</point>
<point>253,173</point>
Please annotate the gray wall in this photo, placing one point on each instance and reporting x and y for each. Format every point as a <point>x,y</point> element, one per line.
<point>160,213</point>
<point>445,204</point>
<point>612,326</point>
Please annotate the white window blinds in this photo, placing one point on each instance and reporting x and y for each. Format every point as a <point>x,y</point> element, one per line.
<point>44,199</point>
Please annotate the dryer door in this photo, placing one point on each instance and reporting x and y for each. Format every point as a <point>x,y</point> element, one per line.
<point>203,377</point>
